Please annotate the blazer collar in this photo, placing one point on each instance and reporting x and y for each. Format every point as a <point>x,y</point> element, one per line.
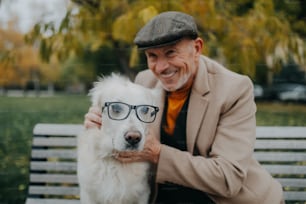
<point>198,104</point>
<point>201,83</point>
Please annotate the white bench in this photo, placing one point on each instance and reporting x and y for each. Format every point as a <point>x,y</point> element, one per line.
<point>281,150</point>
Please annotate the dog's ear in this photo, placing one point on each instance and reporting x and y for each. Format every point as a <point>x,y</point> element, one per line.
<point>96,93</point>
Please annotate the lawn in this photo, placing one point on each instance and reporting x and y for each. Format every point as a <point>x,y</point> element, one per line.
<point>19,115</point>
<point>17,119</point>
<point>281,114</point>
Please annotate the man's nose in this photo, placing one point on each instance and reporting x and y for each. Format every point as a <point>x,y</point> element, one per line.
<point>161,65</point>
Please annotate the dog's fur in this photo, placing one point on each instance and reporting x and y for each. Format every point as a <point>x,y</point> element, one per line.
<point>102,178</point>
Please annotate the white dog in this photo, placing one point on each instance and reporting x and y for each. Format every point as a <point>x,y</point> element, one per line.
<point>127,111</point>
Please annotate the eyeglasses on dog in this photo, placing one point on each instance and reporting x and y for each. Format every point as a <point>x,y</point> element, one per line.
<point>121,111</point>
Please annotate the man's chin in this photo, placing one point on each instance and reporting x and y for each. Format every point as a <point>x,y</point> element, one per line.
<point>175,86</point>
<point>169,88</point>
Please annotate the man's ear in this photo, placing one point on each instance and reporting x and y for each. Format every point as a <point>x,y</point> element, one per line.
<point>198,43</point>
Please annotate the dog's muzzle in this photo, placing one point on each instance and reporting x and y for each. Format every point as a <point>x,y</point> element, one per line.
<point>132,138</point>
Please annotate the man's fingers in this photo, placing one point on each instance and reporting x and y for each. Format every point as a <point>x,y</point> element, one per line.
<point>131,156</point>
<point>89,124</point>
<point>129,159</point>
<point>127,154</point>
<point>93,118</point>
<point>96,110</point>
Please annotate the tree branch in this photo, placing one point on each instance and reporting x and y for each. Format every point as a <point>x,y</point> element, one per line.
<point>90,3</point>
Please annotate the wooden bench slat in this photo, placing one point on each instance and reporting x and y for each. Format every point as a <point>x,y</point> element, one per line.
<point>280,144</point>
<point>280,132</point>
<point>295,195</point>
<point>51,153</point>
<point>293,182</point>
<point>51,201</point>
<point>54,142</point>
<point>53,166</point>
<point>54,178</point>
<point>54,190</point>
<point>58,129</point>
<point>280,156</point>
<point>285,169</point>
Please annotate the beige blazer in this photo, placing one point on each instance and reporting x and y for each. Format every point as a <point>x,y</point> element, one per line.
<point>221,127</point>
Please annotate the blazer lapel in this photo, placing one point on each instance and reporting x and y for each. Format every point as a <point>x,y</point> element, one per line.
<point>198,104</point>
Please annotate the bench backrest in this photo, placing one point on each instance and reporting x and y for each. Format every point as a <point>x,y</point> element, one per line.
<point>53,177</point>
<point>281,150</point>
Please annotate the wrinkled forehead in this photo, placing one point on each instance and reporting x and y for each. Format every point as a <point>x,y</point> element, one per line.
<point>180,45</point>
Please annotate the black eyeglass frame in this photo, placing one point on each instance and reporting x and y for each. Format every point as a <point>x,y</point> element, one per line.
<point>108,104</point>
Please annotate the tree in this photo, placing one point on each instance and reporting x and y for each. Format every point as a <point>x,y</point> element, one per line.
<point>240,35</point>
<point>18,61</point>
<point>93,27</point>
<point>20,64</point>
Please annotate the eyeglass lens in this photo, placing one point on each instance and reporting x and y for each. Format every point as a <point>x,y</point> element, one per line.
<point>145,113</point>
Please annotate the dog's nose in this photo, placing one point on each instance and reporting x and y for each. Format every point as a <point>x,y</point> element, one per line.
<point>132,137</point>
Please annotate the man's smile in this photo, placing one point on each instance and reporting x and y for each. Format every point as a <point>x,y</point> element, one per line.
<point>167,74</point>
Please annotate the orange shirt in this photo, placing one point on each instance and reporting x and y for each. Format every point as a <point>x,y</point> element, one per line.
<point>176,101</point>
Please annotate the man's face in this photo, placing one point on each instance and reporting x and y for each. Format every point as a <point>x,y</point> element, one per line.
<point>175,64</point>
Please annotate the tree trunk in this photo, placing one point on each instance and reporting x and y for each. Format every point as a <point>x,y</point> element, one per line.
<point>270,77</point>
<point>122,54</point>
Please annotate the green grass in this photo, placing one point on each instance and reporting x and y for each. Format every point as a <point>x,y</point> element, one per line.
<point>17,119</point>
<point>281,114</point>
<point>19,115</point>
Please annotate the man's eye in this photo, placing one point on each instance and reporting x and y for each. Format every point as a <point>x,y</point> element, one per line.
<point>170,53</point>
<point>152,56</point>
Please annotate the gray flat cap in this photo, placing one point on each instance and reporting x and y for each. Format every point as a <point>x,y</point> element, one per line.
<point>166,29</point>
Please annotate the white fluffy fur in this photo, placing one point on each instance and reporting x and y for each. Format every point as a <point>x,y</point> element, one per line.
<point>103,179</point>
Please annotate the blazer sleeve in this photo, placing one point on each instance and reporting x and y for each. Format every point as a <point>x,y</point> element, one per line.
<point>222,170</point>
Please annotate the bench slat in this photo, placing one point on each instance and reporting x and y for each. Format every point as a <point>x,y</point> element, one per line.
<point>280,156</point>
<point>280,144</point>
<point>51,201</point>
<point>54,190</point>
<point>285,169</point>
<point>54,178</point>
<point>54,166</point>
<point>295,195</point>
<point>58,129</point>
<point>57,153</point>
<point>280,132</point>
<point>293,182</point>
<point>54,142</point>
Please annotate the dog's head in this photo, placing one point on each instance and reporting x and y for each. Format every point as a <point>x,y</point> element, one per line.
<point>127,111</point>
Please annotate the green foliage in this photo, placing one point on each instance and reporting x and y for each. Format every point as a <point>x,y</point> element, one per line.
<point>240,34</point>
<point>295,13</point>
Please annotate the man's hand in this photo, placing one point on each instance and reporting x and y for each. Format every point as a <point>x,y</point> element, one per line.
<point>149,153</point>
<point>93,118</point>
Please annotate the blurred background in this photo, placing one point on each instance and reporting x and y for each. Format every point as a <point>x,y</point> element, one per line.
<point>52,51</point>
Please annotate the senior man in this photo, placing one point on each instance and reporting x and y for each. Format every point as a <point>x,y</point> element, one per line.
<point>202,145</point>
